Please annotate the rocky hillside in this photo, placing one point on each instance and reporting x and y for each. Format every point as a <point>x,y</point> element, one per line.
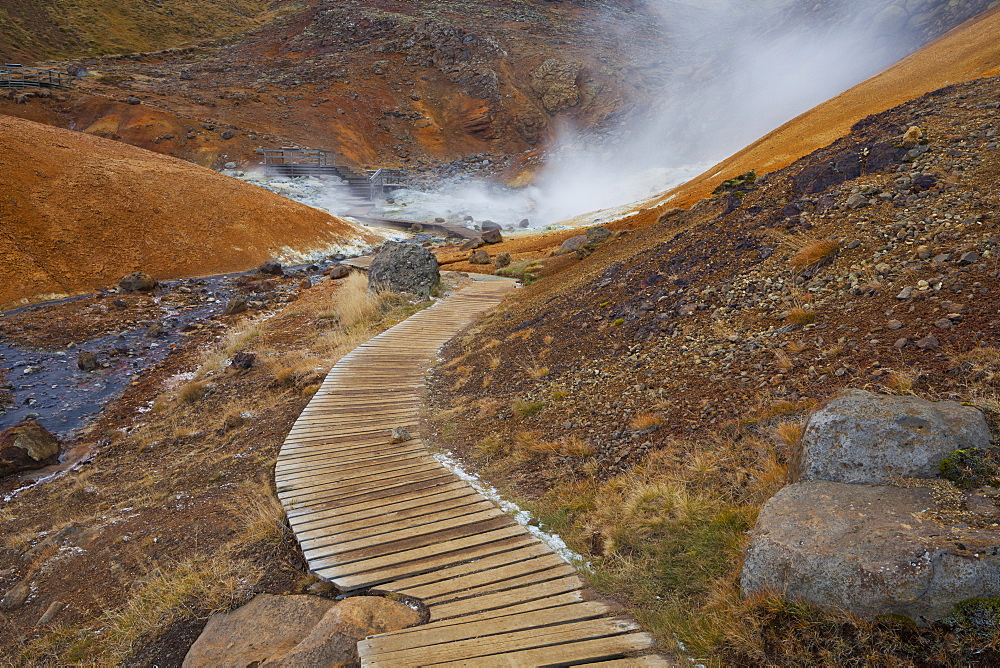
<point>80,212</point>
<point>42,29</point>
<point>420,85</point>
<point>647,396</point>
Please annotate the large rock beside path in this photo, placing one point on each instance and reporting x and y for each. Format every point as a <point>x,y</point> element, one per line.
<point>276,631</point>
<point>404,267</point>
<point>26,446</point>
<point>868,438</point>
<point>876,549</point>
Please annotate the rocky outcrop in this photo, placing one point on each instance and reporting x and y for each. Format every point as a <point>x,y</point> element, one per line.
<point>875,549</point>
<point>868,438</point>
<point>554,81</point>
<point>278,631</point>
<point>404,267</point>
<point>912,544</point>
<point>26,446</point>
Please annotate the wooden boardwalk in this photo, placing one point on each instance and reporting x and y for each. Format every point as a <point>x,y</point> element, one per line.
<point>373,514</point>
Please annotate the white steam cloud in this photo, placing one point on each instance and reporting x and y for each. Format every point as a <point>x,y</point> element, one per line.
<point>726,73</point>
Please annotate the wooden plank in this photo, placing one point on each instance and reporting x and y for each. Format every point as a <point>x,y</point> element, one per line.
<point>505,598</point>
<point>566,654</point>
<point>397,506</point>
<point>395,540</point>
<point>440,559</point>
<point>336,491</point>
<point>420,517</point>
<point>516,642</point>
<point>333,500</point>
<point>377,500</point>
<point>401,550</point>
<point>424,637</point>
<point>456,587</point>
<point>555,601</point>
<point>639,662</point>
<point>533,551</point>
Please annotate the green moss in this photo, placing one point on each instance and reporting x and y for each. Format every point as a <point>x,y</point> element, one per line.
<point>970,468</point>
<point>978,615</point>
<point>619,322</point>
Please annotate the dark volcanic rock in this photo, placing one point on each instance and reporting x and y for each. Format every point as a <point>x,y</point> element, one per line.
<point>492,237</point>
<point>137,281</point>
<point>86,361</point>
<point>402,267</point>
<point>26,446</point>
<point>271,267</point>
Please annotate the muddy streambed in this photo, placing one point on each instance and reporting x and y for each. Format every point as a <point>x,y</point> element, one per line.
<point>39,375</point>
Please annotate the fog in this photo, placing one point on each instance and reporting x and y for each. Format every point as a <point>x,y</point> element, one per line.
<point>730,71</point>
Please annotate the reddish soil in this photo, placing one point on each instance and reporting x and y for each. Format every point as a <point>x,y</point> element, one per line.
<point>688,320</point>
<point>80,212</point>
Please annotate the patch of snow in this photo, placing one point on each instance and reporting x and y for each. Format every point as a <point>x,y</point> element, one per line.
<point>519,515</point>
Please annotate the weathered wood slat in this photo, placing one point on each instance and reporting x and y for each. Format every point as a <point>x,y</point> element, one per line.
<point>369,513</point>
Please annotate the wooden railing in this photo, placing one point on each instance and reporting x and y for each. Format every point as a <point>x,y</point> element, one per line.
<point>383,180</point>
<point>15,76</point>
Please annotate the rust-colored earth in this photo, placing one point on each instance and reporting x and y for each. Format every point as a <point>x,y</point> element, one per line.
<point>79,212</point>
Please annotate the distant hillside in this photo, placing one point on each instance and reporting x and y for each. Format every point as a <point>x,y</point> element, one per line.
<point>79,212</point>
<point>33,30</point>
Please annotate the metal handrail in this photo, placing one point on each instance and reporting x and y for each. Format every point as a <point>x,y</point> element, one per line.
<point>16,76</point>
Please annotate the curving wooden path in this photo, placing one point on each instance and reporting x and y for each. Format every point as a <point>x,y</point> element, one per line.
<point>370,513</point>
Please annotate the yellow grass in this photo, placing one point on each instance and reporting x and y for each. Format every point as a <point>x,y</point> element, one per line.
<point>814,253</point>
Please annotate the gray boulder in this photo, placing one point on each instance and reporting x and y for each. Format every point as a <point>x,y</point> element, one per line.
<point>27,446</point>
<point>874,550</point>
<point>266,626</point>
<point>275,631</point>
<point>137,281</point>
<point>572,244</point>
<point>402,267</point>
<point>860,437</point>
<point>596,235</point>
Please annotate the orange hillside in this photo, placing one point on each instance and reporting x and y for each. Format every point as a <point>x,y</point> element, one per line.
<point>970,51</point>
<point>78,212</point>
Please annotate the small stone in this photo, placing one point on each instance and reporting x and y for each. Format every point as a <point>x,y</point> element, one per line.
<point>154,331</point>
<point>969,258</point>
<point>228,134</point>
<point>502,260</point>
<point>87,361</point>
<point>943,323</point>
<point>305,284</point>
<point>894,324</point>
<point>905,293</point>
<point>339,271</point>
<point>271,267</point>
<point>942,257</point>
<point>929,342</point>
<point>133,100</point>
<point>901,343</point>
<point>50,613</point>
<point>924,252</point>
<point>399,435</point>
<point>235,306</point>
<point>524,223</point>
<point>492,236</point>
<point>242,360</point>
<point>230,165</point>
<point>479,257</point>
<point>472,244</point>
<point>16,596</point>
<point>856,201</point>
<point>137,281</point>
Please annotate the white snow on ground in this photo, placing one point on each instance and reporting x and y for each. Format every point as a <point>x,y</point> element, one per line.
<point>520,516</point>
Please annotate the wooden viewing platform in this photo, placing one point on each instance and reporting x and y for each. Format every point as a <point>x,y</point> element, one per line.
<point>293,161</point>
<point>16,76</point>
<point>371,514</point>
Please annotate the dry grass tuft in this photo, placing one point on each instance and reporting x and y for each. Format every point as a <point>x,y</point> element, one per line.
<point>790,432</point>
<point>900,383</point>
<point>814,253</point>
<point>647,421</point>
<point>800,316</point>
